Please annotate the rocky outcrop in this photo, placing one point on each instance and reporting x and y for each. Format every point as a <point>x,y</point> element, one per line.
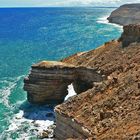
<point>48,81</point>
<point>111,109</point>
<point>130,35</point>
<point>126,14</point>
<point>108,80</point>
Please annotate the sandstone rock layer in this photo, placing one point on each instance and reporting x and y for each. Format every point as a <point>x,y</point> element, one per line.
<point>108,80</point>
<point>48,81</point>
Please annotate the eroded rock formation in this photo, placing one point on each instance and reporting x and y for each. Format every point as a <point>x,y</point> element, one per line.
<point>108,80</point>
<point>131,34</point>
<point>48,81</point>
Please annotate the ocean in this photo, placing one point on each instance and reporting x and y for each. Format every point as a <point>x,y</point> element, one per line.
<point>29,35</point>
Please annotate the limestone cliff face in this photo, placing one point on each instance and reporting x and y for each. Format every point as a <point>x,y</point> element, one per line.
<point>130,35</point>
<point>126,14</point>
<point>48,81</point>
<point>68,127</point>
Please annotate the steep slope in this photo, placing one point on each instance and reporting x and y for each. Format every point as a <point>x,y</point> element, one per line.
<point>111,109</point>
<point>107,81</point>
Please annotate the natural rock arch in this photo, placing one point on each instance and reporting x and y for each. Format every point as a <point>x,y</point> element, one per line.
<point>48,81</point>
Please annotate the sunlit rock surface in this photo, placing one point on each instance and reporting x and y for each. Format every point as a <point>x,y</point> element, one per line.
<point>111,109</point>
<point>48,81</point>
<point>107,81</point>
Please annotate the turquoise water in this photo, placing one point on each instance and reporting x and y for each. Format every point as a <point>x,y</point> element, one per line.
<point>29,35</point>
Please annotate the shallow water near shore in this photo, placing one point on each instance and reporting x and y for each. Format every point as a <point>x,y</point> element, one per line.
<point>29,35</point>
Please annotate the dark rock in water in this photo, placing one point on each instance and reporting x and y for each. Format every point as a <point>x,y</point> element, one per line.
<point>45,134</point>
<point>49,133</point>
<point>126,14</point>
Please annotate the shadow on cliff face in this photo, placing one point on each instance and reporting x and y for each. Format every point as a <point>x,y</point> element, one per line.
<point>36,112</point>
<point>43,112</point>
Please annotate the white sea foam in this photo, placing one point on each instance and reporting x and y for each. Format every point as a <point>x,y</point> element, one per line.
<point>6,90</point>
<point>104,20</point>
<point>71,92</point>
<point>31,122</point>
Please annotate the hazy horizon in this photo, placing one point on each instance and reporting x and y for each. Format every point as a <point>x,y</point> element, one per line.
<point>63,3</point>
<point>61,7</point>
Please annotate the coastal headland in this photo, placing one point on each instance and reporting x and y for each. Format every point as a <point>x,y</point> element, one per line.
<point>107,82</point>
<point>126,14</point>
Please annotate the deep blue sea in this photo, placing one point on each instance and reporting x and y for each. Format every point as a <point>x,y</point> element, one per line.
<point>29,35</point>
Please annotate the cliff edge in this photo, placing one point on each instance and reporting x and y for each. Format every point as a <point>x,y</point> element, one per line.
<point>107,81</point>
<point>48,81</point>
<point>126,14</point>
<point>111,109</point>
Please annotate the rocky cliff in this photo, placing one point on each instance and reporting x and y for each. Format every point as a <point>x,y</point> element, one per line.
<point>48,81</point>
<point>126,14</point>
<point>111,109</point>
<point>108,80</point>
<point>130,35</point>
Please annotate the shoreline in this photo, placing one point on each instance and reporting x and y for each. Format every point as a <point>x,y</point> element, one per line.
<point>20,118</point>
<point>104,20</point>
<point>41,120</point>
